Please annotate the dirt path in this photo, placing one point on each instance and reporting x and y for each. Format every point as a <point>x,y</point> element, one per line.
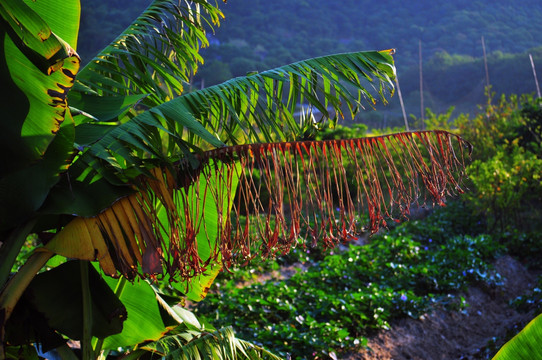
<point>456,335</point>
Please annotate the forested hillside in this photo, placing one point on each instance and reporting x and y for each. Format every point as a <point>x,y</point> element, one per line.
<point>259,34</point>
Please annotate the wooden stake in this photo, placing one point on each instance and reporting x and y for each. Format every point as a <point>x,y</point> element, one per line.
<point>422,111</point>
<point>534,74</point>
<point>402,104</point>
<point>485,61</point>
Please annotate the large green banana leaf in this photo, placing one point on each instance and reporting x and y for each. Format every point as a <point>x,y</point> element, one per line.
<point>155,54</point>
<point>254,108</point>
<point>144,319</point>
<point>53,303</point>
<point>527,345</point>
<point>37,67</point>
<point>157,326</point>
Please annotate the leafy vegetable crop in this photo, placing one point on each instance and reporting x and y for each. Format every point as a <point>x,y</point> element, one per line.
<point>337,301</point>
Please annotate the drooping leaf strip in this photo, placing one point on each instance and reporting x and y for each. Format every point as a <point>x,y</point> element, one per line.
<point>316,191</point>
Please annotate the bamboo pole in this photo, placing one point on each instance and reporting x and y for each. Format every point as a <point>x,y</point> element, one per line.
<point>422,108</point>
<point>485,61</point>
<point>534,74</point>
<point>402,104</point>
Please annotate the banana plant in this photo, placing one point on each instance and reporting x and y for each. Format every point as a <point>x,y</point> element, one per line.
<point>122,165</point>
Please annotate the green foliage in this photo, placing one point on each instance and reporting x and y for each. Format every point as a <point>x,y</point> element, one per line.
<point>335,302</point>
<point>38,137</point>
<point>218,344</point>
<point>530,133</point>
<point>215,73</point>
<point>530,301</point>
<point>526,244</point>
<point>281,31</point>
<point>26,250</point>
<point>342,132</point>
<point>444,79</point>
<point>435,121</point>
<point>187,337</point>
<point>450,27</point>
<point>507,190</point>
<point>505,174</point>
<point>495,123</point>
<point>61,310</point>
<point>503,184</point>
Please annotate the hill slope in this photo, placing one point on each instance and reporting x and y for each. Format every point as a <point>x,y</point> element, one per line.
<point>308,28</point>
<point>264,34</point>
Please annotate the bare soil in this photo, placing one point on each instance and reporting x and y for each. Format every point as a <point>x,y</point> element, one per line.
<point>457,335</point>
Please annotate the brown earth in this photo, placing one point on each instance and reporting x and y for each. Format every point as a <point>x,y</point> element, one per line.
<point>457,335</point>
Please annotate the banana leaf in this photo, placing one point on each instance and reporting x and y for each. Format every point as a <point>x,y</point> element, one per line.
<point>52,305</point>
<point>526,345</point>
<point>37,68</point>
